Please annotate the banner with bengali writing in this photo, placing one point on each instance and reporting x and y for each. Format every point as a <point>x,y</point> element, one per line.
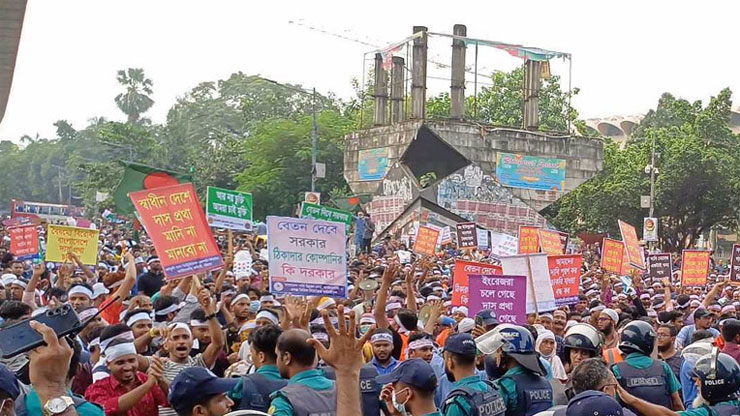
<point>467,237</point>
<point>735,263</point>
<point>632,244</point>
<point>24,242</point>
<point>61,240</point>
<point>425,242</point>
<point>175,222</point>
<point>504,295</point>
<point>565,275</point>
<point>460,289</point>
<point>529,240</point>
<point>228,209</point>
<point>659,266</point>
<point>550,242</point>
<point>694,267</point>
<point>307,257</point>
<point>612,252</point>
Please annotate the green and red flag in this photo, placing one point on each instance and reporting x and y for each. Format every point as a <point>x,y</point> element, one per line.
<point>137,177</point>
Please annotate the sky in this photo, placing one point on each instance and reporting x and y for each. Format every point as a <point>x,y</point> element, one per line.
<point>625,53</point>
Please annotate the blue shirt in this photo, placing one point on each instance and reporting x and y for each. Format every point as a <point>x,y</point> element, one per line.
<point>359,229</point>
<point>684,335</point>
<point>688,387</point>
<point>392,364</point>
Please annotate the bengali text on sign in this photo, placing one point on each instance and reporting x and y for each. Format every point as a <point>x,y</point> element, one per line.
<point>529,240</point>
<point>631,244</point>
<point>467,236</point>
<point>463,269</point>
<point>612,252</point>
<point>504,295</point>
<point>175,222</point>
<point>426,241</point>
<point>565,275</point>
<point>735,263</point>
<point>694,267</point>
<point>62,240</point>
<point>659,265</point>
<point>24,242</point>
<point>307,257</point>
<point>550,242</point>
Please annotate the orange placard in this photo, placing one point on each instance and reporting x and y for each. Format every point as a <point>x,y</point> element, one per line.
<point>565,276</point>
<point>694,267</point>
<point>612,252</point>
<point>632,244</point>
<point>426,241</point>
<point>460,286</point>
<point>550,242</point>
<point>529,240</point>
<point>627,267</point>
<point>174,220</point>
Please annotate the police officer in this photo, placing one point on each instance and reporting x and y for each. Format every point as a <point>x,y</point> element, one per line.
<point>470,396</point>
<point>516,369</point>
<point>581,341</point>
<point>369,388</point>
<point>719,383</point>
<point>308,391</point>
<point>409,388</point>
<point>253,391</point>
<point>641,375</point>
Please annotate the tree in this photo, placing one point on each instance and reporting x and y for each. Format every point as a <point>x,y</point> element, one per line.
<point>279,161</point>
<point>136,99</point>
<point>698,184</point>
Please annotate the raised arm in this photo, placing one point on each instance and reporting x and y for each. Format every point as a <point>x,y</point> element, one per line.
<point>129,281</point>
<point>213,349</point>
<point>29,293</point>
<point>379,313</point>
<point>89,275</point>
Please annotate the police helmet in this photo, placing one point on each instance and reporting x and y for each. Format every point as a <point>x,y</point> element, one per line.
<point>582,337</point>
<point>515,341</point>
<point>720,376</point>
<point>638,336</point>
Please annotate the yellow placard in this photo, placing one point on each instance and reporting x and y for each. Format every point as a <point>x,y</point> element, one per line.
<point>61,240</point>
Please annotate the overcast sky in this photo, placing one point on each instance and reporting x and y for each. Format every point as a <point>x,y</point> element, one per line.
<point>625,53</point>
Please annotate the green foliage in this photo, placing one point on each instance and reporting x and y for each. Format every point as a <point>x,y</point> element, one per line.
<point>279,161</point>
<point>698,184</point>
<point>136,99</point>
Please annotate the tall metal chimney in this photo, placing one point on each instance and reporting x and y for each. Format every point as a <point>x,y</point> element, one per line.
<point>397,90</point>
<point>419,74</point>
<point>532,72</point>
<point>381,92</point>
<point>457,85</point>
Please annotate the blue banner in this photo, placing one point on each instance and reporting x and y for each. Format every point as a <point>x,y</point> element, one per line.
<point>530,172</point>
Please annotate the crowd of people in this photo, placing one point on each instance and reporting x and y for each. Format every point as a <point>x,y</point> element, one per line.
<point>397,345</point>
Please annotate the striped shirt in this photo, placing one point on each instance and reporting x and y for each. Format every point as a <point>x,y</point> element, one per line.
<point>172,369</point>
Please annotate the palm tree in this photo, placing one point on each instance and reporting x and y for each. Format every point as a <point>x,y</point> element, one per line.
<point>135,100</point>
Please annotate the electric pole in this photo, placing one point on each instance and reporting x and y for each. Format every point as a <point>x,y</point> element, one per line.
<point>315,142</point>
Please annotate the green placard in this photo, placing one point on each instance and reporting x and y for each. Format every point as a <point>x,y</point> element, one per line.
<point>318,212</point>
<point>229,209</point>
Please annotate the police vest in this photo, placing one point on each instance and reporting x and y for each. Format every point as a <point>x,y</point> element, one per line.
<point>482,403</point>
<point>369,388</point>
<point>309,402</point>
<point>649,384</point>
<point>533,394</point>
<point>256,390</point>
<point>723,409</point>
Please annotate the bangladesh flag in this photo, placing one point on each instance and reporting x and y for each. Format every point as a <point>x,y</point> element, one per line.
<point>352,203</point>
<point>137,177</point>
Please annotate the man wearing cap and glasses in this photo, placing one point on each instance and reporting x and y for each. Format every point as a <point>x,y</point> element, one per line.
<point>702,321</point>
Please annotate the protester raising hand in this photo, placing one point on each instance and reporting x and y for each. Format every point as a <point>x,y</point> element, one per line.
<point>345,356</point>
<point>49,365</point>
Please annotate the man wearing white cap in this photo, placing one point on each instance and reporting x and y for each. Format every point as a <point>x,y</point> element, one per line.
<point>80,296</point>
<point>459,312</point>
<point>608,319</point>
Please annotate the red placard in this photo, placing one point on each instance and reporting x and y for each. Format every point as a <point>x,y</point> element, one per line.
<point>694,267</point>
<point>24,242</point>
<point>612,252</point>
<point>529,240</point>
<point>735,263</point>
<point>460,278</point>
<point>426,241</point>
<point>627,267</point>
<point>632,244</point>
<point>550,242</point>
<point>174,220</point>
<point>565,275</point>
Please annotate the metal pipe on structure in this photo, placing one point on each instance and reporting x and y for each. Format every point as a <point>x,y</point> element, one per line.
<point>380,92</point>
<point>397,89</point>
<point>419,74</point>
<point>532,72</point>
<point>457,84</point>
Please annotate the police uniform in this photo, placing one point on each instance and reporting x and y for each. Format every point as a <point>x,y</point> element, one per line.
<point>472,396</point>
<point>369,388</point>
<point>646,378</point>
<point>253,391</point>
<point>524,392</point>
<point>307,393</point>
<point>728,408</point>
